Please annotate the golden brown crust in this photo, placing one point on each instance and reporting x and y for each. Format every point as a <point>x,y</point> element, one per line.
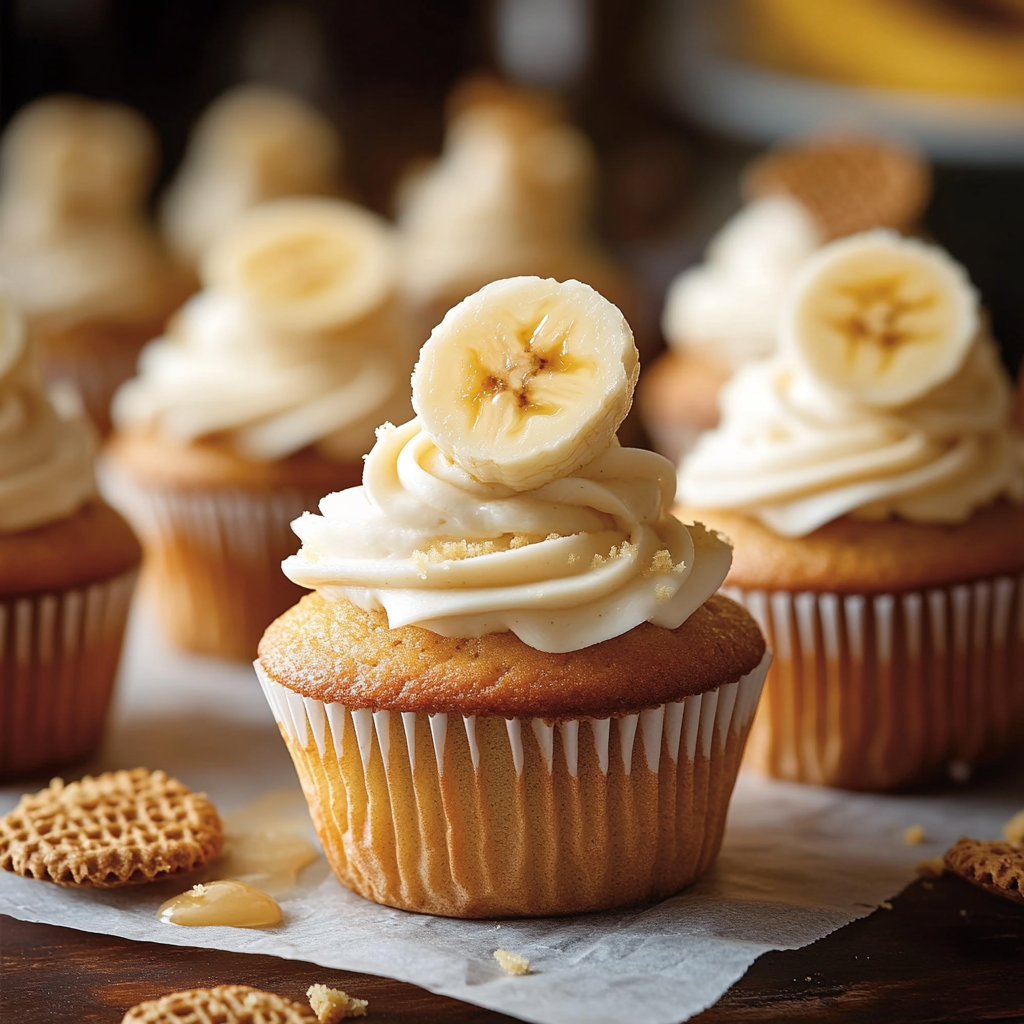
<point>681,387</point>
<point>857,556</point>
<point>93,544</point>
<point>848,185</point>
<point>115,829</point>
<point>224,1004</point>
<point>155,461</point>
<point>996,867</point>
<point>336,652</point>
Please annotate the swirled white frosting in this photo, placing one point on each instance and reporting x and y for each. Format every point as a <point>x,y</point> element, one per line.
<point>45,457</point>
<point>727,310</point>
<point>221,371</point>
<point>577,561</point>
<point>797,456</point>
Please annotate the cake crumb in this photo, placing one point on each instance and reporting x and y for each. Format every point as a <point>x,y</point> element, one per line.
<point>885,905</point>
<point>1013,830</point>
<point>512,963</point>
<point>933,867</point>
<point>332,1005</point>
<point>915,835</point>
<point>663,593</point>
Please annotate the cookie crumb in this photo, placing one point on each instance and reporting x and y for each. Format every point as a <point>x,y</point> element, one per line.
<point>914,835</point>
<point>885,905</point>
<point>933,867</point>
<point>1013,830</point>
<point>332,1005</point>
<point>512,963</point>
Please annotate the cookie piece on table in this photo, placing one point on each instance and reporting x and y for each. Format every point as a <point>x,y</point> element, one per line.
<point>996,867</point>
<point>118,828</point>
<point>331,1005</point>
<point>224,1004</point>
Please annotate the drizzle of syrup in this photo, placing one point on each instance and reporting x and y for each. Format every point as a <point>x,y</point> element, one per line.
<point>228,902</point>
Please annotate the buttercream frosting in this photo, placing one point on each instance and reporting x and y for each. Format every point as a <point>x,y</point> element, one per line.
<point>45,455</point>
<point>566,565</point>
<point>727,309</point>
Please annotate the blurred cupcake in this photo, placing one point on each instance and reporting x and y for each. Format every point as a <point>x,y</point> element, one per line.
<point>871,481</point>
<point>252,144</point>
<point>263,394</point>
<point>514,691</point>
<point>724,313</point>
<point>511,194</point>
<point>68,564</point>
<point>81,260</point>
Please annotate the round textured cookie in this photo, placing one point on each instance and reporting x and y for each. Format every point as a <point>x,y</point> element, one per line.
<point>224,1004</point>
<point>996,867</point>
<point>118,828</point>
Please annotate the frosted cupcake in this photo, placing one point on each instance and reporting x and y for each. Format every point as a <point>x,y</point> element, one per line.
<point>263,394</point>
<point>871,481</point>
<point>723,314</point>
<point>67,568</point>
<point>514,691</point>
<point>511,194</point>
<point>253,144</point>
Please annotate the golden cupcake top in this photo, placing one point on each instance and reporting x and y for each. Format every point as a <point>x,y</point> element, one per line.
<point>507,503</point>
<point>886,398</point>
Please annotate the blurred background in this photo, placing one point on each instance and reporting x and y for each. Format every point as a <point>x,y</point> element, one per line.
<point>676,95</point>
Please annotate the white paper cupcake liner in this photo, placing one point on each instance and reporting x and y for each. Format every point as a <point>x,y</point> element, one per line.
<point>58,661</point>
<point>875,691</point>
<point>483,816</point>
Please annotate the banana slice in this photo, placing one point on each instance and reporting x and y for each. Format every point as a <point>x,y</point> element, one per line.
<point>12,332</point>
<point>305,264</point>
<point>880,318</point>
<point>526,381</point>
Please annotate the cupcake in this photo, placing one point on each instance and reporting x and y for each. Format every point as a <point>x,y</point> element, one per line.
<point>512,193</point>
<point>68,564</point>
<point>253,144</point>
<point>263,393</point>
<point>81,260</point>
<point>872,483</point>
<point>724,313</point>
<point>514,691</point>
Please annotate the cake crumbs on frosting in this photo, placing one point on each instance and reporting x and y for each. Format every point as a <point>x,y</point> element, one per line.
<point>332,1005</point>
<point>663,592</point>
<point>512,963</point>
<point>624,550</point>
<point>661,563</point>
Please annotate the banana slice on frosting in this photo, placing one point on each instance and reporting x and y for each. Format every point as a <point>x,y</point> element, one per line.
<point>881,318</point>
<point>526,380</point>
<point>12,332</point>
<point>305,264</point>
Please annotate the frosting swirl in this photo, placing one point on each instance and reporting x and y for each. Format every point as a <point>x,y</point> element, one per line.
<point>45,457</point>
<point>796,454</point>
<point>566,565</point>
<point>727,310</point>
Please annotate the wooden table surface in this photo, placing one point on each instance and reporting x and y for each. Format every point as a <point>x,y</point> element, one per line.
<point>944,952</point>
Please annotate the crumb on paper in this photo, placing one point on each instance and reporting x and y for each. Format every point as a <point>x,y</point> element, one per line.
<point>933,867</point>
<point>1013,830</point>
<point>332,1005</point>
<point>885,905</point>
<point>512,963</point>
<point>914,835</point>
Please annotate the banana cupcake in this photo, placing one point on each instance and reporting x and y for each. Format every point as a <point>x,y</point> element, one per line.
<point>67,568</point>
<point>872,483</point>
<point>515,691</point>
<point>253,144</point>
<point>84,265</point>
<point>263,394</point>
<point>724,313</point>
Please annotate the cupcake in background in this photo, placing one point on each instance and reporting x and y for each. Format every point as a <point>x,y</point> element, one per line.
<point>82,261</point>
<point>263,394</point>
<point>724,313</point>
<point>512,193</point>
<point>872,482</point>
<point>254,143</point>
<point>68,564</point>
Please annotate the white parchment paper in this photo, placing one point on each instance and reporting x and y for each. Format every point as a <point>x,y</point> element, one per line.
<point>797,863</point>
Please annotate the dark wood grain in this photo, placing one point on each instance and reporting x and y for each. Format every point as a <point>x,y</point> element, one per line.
<point>946,952</point>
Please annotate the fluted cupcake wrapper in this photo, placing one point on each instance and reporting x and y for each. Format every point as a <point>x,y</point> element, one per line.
<point>213,559</point>
<point>490,817</point>
<point>876,691</point>
<point>58,662</point>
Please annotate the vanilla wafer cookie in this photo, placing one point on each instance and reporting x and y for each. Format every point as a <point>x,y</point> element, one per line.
<point>996,867</point>
<point>848,185</point>
<point>118,828</point>
<point>225,1004</point>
